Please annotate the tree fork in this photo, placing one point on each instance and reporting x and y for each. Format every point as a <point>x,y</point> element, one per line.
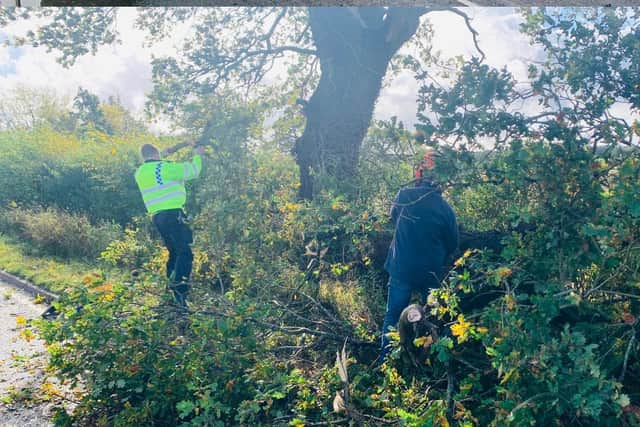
<point>354,47</point>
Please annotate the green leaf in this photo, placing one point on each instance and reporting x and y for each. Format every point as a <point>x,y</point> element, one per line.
<point>634,209</point>
<point>277,394</point>
<point>185,408</point>
<point>623,400</point>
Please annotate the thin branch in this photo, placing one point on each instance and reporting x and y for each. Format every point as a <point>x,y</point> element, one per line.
<point>603,291</point>
<point>281,49</point>
<point>532,398</point>
<point>473,31</point>
<point>626,357</point>
<point>267,37</point>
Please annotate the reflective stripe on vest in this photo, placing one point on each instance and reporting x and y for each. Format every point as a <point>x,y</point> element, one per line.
<point>164,186</point>
<point>149,203</point>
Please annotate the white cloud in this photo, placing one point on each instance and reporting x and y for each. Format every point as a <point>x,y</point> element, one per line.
<point>499,38</point>
<point>399,99</point>
<point>118,70</point>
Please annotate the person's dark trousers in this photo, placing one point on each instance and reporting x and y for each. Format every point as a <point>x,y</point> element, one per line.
<point>398,299</point>
<point>177,238</point>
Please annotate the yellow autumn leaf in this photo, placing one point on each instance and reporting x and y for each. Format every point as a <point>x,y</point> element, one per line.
<point>27,335</point>
<point>108,297</point>
<point>457,330</point>
<point>393,336</point>
<point>503,272</point>
<point>513,372</point>
<point>50,389</point>
<point>21,321</point>
<point>460,261</point>
<point>442,421</point>
<point>425,341</point>
<point>293,207</point>
<point>461,329</point>
<point>107,287</point>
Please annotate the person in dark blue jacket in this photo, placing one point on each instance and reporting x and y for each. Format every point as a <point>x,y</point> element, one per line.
<point>426,234</point>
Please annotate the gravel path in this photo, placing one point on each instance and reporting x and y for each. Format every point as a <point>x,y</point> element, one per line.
<point>22,363</point>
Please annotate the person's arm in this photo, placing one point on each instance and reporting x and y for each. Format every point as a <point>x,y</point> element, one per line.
<point>183,171</point>
<point>170,150</point>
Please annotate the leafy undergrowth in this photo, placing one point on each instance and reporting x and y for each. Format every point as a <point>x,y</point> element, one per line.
<point>542,331</point>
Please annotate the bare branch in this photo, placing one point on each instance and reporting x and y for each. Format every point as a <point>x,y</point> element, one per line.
<point>276,21</point>
<point>281,49</point>
<point>473,31</point>
<point>626,357</point>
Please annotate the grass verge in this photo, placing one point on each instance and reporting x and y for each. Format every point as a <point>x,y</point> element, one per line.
<point>55,275</point>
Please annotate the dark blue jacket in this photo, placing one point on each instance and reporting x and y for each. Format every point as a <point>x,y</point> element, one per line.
<point>426,233</point>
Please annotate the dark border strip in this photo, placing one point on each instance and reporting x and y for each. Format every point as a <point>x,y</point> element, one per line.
<point>26,286</point>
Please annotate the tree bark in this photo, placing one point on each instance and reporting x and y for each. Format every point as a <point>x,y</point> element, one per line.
<point>354,47</point>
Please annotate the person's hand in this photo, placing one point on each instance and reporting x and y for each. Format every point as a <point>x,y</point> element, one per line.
<point>199,150</point>
<point>167,151</point>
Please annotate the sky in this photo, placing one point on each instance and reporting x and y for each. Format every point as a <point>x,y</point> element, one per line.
<point>499,38</point>
<point>124,70</point>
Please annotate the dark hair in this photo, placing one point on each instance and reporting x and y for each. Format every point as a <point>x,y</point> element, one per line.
<point>149,151</point>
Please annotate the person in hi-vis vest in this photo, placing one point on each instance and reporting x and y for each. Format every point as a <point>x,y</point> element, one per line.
<point>161,184</point>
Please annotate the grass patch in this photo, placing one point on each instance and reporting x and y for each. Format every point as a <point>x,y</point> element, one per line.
<point>53,274</point>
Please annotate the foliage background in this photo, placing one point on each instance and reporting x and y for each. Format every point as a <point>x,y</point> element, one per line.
<point>540,330</point>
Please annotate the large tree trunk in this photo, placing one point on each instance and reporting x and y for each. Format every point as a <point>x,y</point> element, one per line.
<point>354,46</point>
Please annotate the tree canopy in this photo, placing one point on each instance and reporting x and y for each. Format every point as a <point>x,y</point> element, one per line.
<point>336,59</point>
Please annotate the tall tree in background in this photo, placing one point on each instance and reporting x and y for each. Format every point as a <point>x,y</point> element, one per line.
<point>25,107</point>
<point>88,112</point>
<point>236,48</point>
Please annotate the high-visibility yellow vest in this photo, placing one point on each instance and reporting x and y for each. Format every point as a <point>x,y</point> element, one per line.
<point>162,183</point>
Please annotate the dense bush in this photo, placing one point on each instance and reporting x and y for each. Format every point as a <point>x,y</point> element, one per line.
<point>91,176</point>
<point>135,247</point>
<point>280,283</point>
<point>58,233</point>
